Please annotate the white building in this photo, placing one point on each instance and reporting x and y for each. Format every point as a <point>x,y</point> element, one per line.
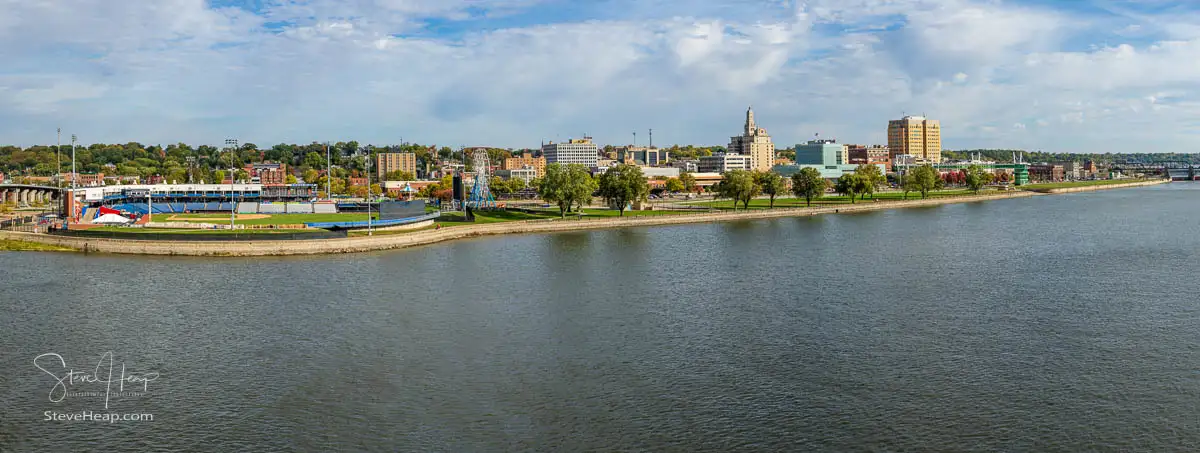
<point>574,151</point>
<point>526,173</point>
<point>723,162</point>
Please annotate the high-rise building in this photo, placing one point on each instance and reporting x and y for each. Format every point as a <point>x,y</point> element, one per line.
<point>915,136</point>
<point>754,142</point>
<point>389,162</point>
<point>574,151</point>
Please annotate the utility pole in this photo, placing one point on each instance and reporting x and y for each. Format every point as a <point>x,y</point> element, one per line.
<point>651,138</point>
<point>232,144</point>
<point>328,173</point>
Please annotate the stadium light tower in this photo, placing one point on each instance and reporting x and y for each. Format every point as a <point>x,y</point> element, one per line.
<point>232,144</point>
<point>74,174</point>
<point>369,192</point>
<point>58,160</point>
<point>328,173</point>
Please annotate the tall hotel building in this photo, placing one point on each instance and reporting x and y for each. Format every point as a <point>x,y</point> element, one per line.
<point>574,151</point>
<point>388,162</point>
<point>754,142</point>
<point>915,136</point>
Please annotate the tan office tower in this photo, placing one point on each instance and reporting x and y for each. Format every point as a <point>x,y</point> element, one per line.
<point>389,162</point>
<point>915,136</point>
<point>754,142</point>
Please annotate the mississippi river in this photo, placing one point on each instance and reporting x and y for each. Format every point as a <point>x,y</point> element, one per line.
<point>1056,323</point>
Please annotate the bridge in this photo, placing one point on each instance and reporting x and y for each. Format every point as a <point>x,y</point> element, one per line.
<point>24,195</point>
<point>1177,170</point>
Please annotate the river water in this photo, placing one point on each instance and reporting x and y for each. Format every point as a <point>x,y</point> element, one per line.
<point>1054,323</point>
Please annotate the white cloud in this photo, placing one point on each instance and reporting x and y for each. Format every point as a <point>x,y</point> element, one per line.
<point>180,70</point>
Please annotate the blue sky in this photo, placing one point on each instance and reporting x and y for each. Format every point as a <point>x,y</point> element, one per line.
<point>1072,76</point>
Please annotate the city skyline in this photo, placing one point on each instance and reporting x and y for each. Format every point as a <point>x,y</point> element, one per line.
<point>512,73</point>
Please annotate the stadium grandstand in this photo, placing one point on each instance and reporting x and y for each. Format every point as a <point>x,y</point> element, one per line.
<point>188,198</point>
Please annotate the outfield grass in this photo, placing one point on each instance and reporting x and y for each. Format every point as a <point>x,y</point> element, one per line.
<point>456,218</point>
<point>1066,185</point>
<point>272,219</point>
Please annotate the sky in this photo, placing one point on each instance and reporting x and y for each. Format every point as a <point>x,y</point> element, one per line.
<point>1061,76</point>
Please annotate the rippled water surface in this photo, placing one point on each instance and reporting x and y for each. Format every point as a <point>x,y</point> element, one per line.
<point>1057,323</point>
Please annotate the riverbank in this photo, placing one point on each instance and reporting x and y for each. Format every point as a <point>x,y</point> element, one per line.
<point>356,244</point>
<point>1094,187</point>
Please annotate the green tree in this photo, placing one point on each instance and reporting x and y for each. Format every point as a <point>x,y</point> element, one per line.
<point>311,176</point>
<point>218,176</point>
<point>400,175</point>
<point>688,180</point>
<point>739,186</point>
<point>290,179</point>
<point>674,185</point>
<point>314,160</point>
<point>977,177</point>
<point>870,177</point>
<point>243,175</point>
<point>848,184</point>
<point>922,179</point>
<point>809,184</point>
<point>623,184</point>
<point>771,184</point>
<point>567,185</point>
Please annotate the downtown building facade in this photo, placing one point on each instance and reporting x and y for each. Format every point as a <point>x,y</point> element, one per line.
<point>389,162</point>
<point>724,162</point>
<point>574,151</point>
<point>753,143</point>
<point>915,136</point>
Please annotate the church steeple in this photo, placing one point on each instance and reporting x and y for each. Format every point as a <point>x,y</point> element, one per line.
<point>750,127</point>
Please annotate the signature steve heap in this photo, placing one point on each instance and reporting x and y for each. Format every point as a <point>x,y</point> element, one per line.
<point>64,377</point>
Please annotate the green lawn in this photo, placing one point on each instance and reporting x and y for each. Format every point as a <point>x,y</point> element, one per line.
<point>24,246</point>
<point>1065,185</point>
<point>273,219</point>
<point>829,200</point>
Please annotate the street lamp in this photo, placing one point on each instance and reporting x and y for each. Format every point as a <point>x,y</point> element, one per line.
<point>232,144</point>
<point>328,173</point>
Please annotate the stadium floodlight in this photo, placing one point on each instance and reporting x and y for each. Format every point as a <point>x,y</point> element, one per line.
<point>232,144</point>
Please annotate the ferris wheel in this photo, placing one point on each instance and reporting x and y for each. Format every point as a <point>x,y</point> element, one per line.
<point>481,194</point>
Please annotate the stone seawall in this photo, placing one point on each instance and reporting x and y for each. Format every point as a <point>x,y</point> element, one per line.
<point>396,241</point>
<point>1107,186</point>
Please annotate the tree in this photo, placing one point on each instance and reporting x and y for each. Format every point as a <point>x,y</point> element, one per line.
<point>623,184</point>
<point>314,160</point>
<point>689,181</point>
<point>848,184</point>
<point>376,189</point>
<point>977,177</point>
<point>291,179</point>
<point>674,185</point>
<point>739,186</point>
<point>771,184</point>
<point>870,178</point>
<point>400,175</point>
<point>566,185</point>
<point>809,184</point>
<point>218,176</point>
<point>242,175</point>
<point>310,176</point>
<point>922,179</point>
